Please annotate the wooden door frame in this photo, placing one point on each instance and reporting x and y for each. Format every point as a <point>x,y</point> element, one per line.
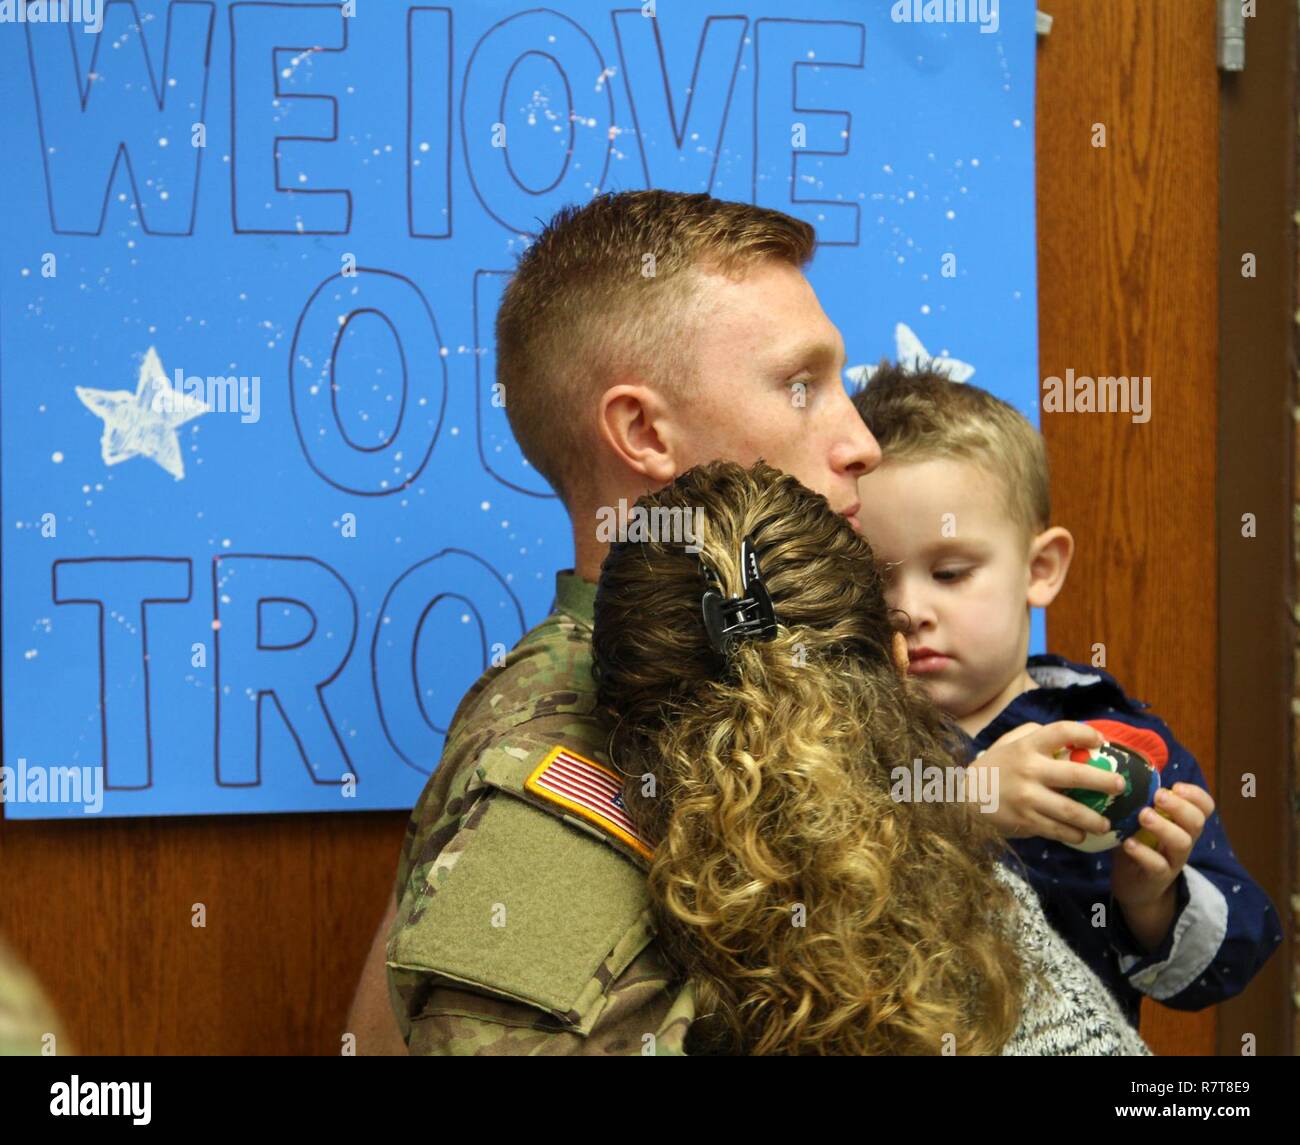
<point>1256,475</point>
<point>1141,236</point>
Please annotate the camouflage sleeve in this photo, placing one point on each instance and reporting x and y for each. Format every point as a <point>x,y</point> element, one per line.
<point>437,814</point>
<point>448,1003</point>
<point>639,1018</point>
<point>522,928</point>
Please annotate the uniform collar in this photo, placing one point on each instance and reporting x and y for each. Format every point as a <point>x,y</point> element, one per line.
<point>575,596</point>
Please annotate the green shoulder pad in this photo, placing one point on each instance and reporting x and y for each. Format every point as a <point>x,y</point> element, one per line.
<point>530,909</point>
<point>569,779</point>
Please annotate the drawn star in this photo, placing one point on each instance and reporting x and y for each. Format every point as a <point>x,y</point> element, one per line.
<point>144,423</point>
<point>912,356</point>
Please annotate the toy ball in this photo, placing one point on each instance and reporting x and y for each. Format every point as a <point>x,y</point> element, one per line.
<point>1136,754</point>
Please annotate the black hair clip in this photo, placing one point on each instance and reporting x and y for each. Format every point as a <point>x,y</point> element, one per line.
<point>741,617</point>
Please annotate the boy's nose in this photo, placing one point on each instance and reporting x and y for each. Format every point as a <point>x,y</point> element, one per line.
<point>920,616</point>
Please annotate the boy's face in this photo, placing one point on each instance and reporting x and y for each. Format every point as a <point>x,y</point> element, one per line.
<point>760,335</point>
<point>963,576</point>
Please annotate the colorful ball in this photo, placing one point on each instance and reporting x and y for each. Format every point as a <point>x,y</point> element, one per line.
<point>1141,783</point>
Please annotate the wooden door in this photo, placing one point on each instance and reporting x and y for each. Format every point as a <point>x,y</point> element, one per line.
<point>1129,284</point>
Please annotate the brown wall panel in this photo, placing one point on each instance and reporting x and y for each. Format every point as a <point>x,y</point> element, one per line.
<point>1256,378</point>
<point>102,912</point>
<point>1128,270</point>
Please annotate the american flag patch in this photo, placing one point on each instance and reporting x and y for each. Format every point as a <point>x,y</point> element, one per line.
<point>587,789</point>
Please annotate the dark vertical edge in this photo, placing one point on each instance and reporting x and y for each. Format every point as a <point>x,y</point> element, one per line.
<point>1256,430</point>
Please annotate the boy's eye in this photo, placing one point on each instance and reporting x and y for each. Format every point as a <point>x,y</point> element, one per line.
<point>949,576</point>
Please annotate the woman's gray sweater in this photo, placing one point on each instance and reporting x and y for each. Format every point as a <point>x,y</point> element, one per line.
<point>1070,1012</point>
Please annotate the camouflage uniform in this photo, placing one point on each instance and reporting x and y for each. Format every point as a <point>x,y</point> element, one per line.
<point>523,928</point>
<point>25,1016</point>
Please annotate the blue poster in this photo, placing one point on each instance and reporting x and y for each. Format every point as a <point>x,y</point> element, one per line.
<point>263,522</point>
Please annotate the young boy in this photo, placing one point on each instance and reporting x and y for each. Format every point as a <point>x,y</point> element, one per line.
<point>958,512</point>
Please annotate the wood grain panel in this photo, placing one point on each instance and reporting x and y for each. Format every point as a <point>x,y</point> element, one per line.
<point>102,912</point>
<point>1128,271</point>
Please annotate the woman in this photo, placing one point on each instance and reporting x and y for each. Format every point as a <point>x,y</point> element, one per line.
<point>813,913</point>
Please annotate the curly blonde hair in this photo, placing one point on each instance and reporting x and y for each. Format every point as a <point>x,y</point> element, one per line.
<point>814,913</point>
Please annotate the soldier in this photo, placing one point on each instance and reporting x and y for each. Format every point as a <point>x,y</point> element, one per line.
<point>629,333</point>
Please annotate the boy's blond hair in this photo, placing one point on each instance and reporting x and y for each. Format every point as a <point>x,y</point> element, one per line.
<point>925,415</point>
<point>605,292</point>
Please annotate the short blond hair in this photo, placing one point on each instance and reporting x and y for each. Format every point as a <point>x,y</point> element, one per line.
<point>604,291</point>
<point>924,415</point>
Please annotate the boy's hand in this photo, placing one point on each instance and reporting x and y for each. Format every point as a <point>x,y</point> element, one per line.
<point>1142,879</point>
<point>1030,782</point>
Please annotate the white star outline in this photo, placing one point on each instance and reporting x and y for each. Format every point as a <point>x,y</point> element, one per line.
<point>144,423</point>
<point>911,355</point>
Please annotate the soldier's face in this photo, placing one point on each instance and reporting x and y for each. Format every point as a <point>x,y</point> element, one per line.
<point>770,385</point>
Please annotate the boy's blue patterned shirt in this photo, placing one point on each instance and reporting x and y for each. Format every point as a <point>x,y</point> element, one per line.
<point>1225,926</point>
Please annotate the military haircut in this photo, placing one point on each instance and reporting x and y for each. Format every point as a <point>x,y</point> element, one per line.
<point>607,291</point>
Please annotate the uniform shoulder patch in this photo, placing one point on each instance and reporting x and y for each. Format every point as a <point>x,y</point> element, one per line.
<point>588,790</point>
<point>531,911</point>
